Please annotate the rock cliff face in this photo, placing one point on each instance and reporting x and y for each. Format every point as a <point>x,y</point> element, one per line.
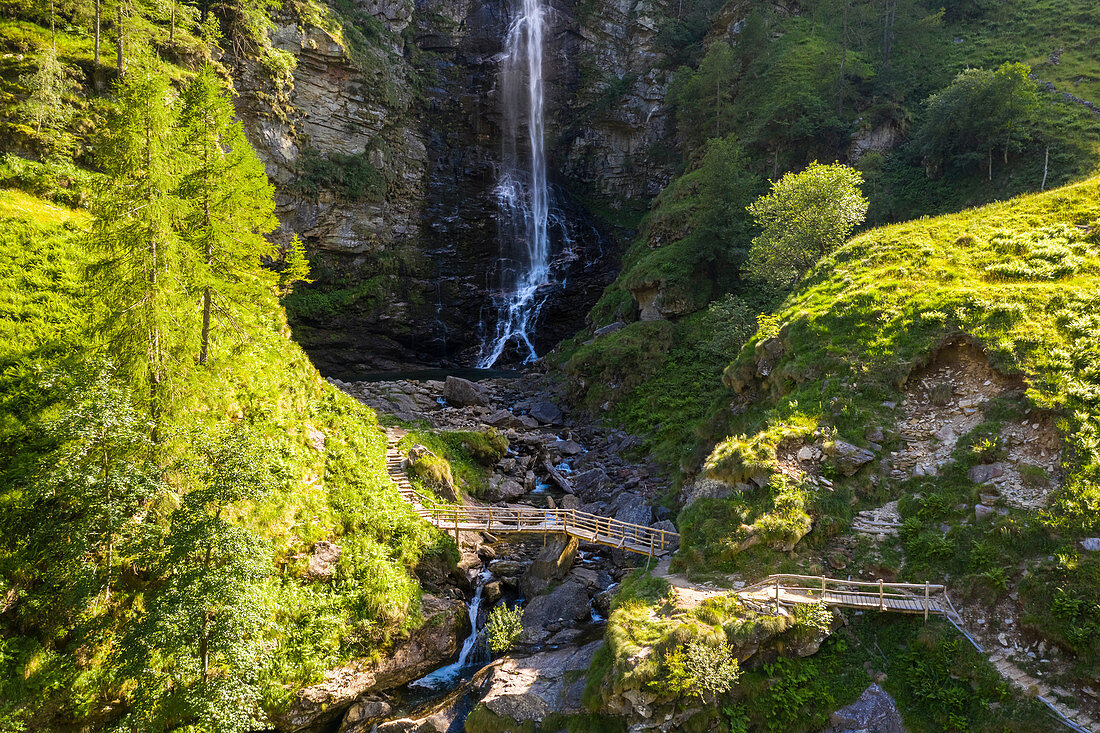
<point>383,146</point>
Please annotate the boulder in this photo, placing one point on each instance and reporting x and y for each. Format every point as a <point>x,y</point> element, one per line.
<point>874,712</point>
<point>610,328</point>
<point>564,606</point>
<point>981,511</point>
<point>632,509</point>
<point>502,488</point>
<point>546,413</point>
<point>322,563</point>
<point>315,438</point>
<point>532,688</point>
<point>706,488</point>
<point>985,473</point>
<point>668,526</point>
<point>460,392</point>
<point>849,458</point>
<point>566,447</point>
<point>1092,544</point>
<point>434,470</point>
<point>364,714</point>
<point>552,563</point>
<point>590,485</point>
<point>874,434</point>
<point>502,419</point>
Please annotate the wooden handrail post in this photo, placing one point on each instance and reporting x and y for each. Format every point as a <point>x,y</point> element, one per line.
<point>777,596</point>
<point>926,598</point>
<point>822,588</point>
<point>456,528</point>
<point>881,597</point>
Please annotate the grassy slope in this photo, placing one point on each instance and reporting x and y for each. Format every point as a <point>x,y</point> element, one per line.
<point>264,380</point>
<point>861,322</point>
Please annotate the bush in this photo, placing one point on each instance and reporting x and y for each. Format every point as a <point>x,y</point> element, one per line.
<point>504,627</point>
<point>700,668</point>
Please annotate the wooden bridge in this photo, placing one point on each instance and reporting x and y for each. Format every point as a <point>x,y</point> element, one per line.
<point>513,518</point>
<point>790,590</point>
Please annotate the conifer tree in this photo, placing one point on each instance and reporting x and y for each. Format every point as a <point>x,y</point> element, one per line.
<point>87,492</point>
<point>295,266</point>
<point>49,84</point>
<point>134,232</point>
<point>229,199</point>
<point>197,653</point>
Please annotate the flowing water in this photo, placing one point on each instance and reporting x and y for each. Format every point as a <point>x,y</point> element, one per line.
<point>472,656</point>
<point>522,190</point>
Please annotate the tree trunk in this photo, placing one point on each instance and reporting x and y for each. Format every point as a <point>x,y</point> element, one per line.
<point>1046,162</point>
<point>991,162</point>
<point>121,39</point>
<point>95,64</point>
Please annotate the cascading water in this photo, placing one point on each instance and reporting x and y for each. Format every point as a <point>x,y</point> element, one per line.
<point>470,656</point>
<point>522,190</point>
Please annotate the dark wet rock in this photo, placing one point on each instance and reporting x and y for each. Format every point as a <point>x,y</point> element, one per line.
<point>503,419</point>
<point>322,563</point>
<point>566,447</point>
<point>632,509</point>
<point>985,473</point>
<point>546,413</point>
<point>590,485</point>
<point>849,458</point>
<point>874,712</point>
<point>557,478</point>
<point>463,393</point>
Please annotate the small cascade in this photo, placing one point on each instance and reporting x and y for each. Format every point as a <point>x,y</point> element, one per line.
<point>473,655</point>
<point>523,193</point>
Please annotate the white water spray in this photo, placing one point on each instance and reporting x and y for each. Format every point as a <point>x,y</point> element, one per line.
<point>522,191</point>
<point>470,654</point>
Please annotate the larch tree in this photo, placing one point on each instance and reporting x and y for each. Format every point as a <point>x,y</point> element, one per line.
<point>136,213</point>
<point>197,653</point>
<point>88,491</point>
<point>49,84</point>
<point>229,203</point>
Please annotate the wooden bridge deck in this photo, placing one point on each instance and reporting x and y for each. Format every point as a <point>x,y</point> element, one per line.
<point>790,590</point>
<point>505,519</point>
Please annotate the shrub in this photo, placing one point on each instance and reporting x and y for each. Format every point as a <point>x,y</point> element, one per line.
<point>504,627</point>
<point>700,668</point>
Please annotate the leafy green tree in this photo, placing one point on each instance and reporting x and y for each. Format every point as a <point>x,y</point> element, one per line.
<point>504,627</point>
<point>804,217</point>
<point>229,200</point>
<point>134,235</point>
<point>979,111</point>
<point>700,668</point>
<point>50,84</point>
<point>87,492</point>
<point>197,653</point>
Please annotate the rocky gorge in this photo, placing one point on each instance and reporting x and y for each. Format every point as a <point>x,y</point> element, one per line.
<point>383,141</point>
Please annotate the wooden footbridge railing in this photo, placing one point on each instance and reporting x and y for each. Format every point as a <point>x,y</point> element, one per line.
<point>789,590</point>
<point>588,527</point>
<point>503,519</point>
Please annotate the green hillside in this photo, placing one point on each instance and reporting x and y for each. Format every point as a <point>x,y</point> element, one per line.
<point>57,656</point>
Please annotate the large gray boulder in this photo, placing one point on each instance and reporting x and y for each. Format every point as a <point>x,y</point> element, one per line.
<point>874,712</point>
<point>590,485</point>
<point>552,563</point>
<point>461,392</point>
<point>849,458</point>
<point>546,413</point>
<point>564,606</point>
<point>985,473</point>
<point>534,687</point>
<point>322,563</point>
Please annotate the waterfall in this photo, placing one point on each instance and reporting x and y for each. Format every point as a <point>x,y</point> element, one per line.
<point>522,191</point>
<point>472,654</point>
